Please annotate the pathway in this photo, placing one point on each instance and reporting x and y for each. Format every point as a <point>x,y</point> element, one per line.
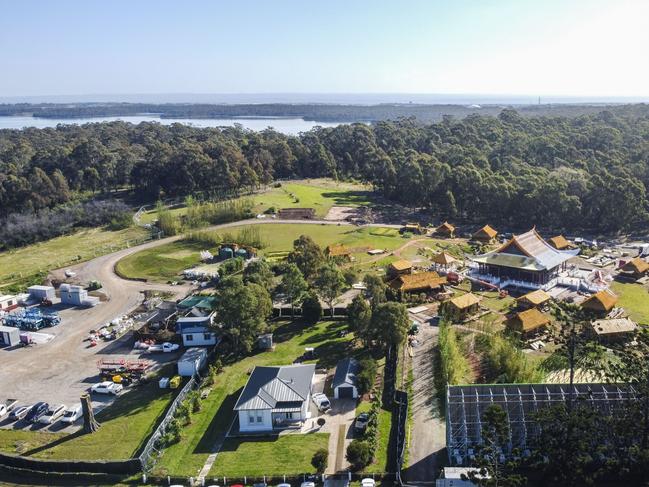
<point>428,429</point>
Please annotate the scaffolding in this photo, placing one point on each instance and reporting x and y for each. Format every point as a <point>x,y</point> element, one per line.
<point>465,406</point>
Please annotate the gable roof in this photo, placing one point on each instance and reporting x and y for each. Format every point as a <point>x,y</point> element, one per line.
<point>465,301</point>
<point>601,301</point>
<point>485,231</point>
<point>611,327</point>
<point>444,258</point>
<point>536,297</point>
<point>527,251</point>
<point>337,250</point>
<point>636,265</point>
<point>445,227</point>
<point>560,242</point>
<point>529,320</point>
<point>276,387</point>
<point>346,372</point>
<point>422,281</point>
<point>401,265</point>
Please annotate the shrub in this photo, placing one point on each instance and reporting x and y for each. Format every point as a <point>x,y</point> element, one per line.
<point>366,376</point>
<point>321,421</point>
<point>320,459</point>
<point>311,309</point>
<point>194,401</point>
<point>231,266</point>
<point>184,413</point>
<point>350,276</point>
<point>359,454</point>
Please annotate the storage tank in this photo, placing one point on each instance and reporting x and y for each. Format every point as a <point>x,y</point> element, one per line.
<point>243,253</point>
<point>225,253</point>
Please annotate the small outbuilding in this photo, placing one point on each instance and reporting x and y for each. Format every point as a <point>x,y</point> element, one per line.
<point>400,267</point>
<point>529,322</point>
<point>614,330</point>
<point>561,243</point>
<point>9,336</point>
<point>344,383</point>
<point>601,302</point>
<point>636,268</point>
<point>39,293</point>
<point>462,306</point>
<point>534,299</point>
<point>415,228</point>
<point>444,261</point>
<point>8,302</point>
<point>485,234</point>
<point>192,362</point>
<point>446,230</point>
<point>338,252</point>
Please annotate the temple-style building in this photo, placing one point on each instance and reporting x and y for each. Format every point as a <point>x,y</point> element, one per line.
<point>526,261</point>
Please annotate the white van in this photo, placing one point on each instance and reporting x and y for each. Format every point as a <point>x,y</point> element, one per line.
<point>72,414</point>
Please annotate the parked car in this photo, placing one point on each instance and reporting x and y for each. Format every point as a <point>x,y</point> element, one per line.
<point>52,414</point>
<point>307,484</point>
<point>360,424</point>
<point>6,408</point>
<point>322,401</point>
<point>107,387</point>
<point>165,347</point>
<point>37,410</point>
<point>368,482</point>
<point>20,412</point>
<point>72,414</point>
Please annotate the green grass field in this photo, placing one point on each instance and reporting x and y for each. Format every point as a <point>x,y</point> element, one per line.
<point>320,194</point>
<point>165,262</point>
<point>635,299</point>
<point>188,457</point>
<point>279,455</point>
<point>125,427</point>
<point>16,266</point>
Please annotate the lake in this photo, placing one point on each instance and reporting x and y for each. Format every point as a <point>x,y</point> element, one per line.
<point>291,126</point>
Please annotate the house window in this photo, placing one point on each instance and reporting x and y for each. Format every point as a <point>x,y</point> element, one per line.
<point>207,336</point>
<point>251,418</point>
<point>189,338</point>
<point>259,419</point>
<point>289,415</point>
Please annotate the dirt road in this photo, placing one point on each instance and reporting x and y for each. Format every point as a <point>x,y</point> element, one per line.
<point>428,428</point>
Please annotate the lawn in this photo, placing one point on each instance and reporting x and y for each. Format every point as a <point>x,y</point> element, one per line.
<point>161,263</point>
<point>16,266</point>
<point>125,427</point>
<point>279,455</point>
<point>320,194</point>
<point>165,262</point>
<point>633,298</point>
<point>188,457</point>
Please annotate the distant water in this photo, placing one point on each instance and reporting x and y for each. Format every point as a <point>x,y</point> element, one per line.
<point>291,126</point>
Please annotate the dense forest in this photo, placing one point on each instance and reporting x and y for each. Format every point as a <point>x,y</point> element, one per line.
<point>588,172</point>
<point>317,112</point>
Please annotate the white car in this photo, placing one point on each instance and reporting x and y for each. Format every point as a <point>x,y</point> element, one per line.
<point>7,407</point>
<point>107,387</point>
<point>20,412</point>
<point>165,347</point>
<point>368,482</point>
<point>72,414</point>
<point>322,401</point>
<point>307,484</point>
<point>53,413</point>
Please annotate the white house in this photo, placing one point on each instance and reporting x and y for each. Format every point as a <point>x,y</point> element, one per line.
<point>275,398</point>
<point>344,383</point>
<point>196,331</point>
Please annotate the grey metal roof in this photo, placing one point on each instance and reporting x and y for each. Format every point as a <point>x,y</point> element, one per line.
<point>346,371</point>
<point>276,388</point>
<point>530,252</point>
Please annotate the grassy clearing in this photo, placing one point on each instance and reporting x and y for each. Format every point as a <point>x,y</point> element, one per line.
<point>187,457</point>
<point>161,263</point>
<point>165,262</point>
<point>320,194</point>
<point>380,463</point>
<point>268,455</point>
<point>20,441</point>
<point>17,265</point>
<point>635,299</point>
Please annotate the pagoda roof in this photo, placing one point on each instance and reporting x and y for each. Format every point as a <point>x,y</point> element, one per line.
<point>527,251</point>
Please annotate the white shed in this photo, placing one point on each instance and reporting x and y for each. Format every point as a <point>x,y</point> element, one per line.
<point>41,292</point>
<point>192,361</point>
<point>9,336</point>
<point>344,383</point>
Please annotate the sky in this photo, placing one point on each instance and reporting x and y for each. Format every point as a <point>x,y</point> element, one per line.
<point>586,48</point>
